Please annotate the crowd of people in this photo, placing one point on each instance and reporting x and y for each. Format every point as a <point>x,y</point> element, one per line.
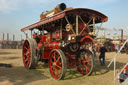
<point>99,50</point>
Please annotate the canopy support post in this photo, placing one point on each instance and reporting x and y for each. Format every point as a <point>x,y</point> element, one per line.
<point>77,21</point>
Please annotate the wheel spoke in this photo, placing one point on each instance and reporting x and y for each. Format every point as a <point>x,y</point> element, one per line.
<point>26,48</point>
<point>27,44</point>
<point>29,51</point>
<point>60,63</point>
<point>51,62</point>
<point>87,68</point>
<point>54,68</point>
<point>82,67</point>
<point>27,63</point>
<point>58,59</point>
<point>27,54</point>
<point>27,57</point>
<point>88,57</point>
<point>60,71</point>
<point>85,63</point>
<point>54,57</point>
<point>89,64</point>
<point>57,72</point>
<point>59,66</point>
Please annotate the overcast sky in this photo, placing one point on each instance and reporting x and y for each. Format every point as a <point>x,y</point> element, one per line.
<point>16,14</point>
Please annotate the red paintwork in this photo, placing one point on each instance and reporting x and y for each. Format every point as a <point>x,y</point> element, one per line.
<point>34,35</point>
<point>47,20</point>
<point>45,53</point>
<point>39,45</point>
<point>87,39</point>
<point>69,41</point>
<point>48,48</point>
<point>26,54</point>
<point>84,63</point>
<point>62,14</point>
<point>55,65</point>
<point>126,68</point>
<point>43,38</point>
<point>47,41</point>
<point>48,44</point>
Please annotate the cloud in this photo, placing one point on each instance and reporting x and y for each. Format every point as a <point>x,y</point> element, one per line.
<point>8,5</point>
<point>106,1</point>
<point>100,2</point>
<point>103,1</point>
<point>12,5</point>
<point>92,3</point>
<point>39,1</point>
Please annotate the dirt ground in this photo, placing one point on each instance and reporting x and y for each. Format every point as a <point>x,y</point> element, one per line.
<point>16,74</point>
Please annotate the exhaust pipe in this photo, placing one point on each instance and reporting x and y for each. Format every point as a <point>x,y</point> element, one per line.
<point>60,7</point>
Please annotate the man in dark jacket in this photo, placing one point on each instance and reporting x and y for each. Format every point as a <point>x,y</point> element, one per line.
<point>102,55</point>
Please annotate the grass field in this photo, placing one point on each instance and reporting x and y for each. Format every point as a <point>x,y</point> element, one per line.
<point>18,75</point>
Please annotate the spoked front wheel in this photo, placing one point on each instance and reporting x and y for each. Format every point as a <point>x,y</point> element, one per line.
<point>29,54</point>
<point>85,62</point>
<point>57,64</point>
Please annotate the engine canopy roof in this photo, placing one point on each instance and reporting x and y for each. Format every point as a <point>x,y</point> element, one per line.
<point>83,12</point>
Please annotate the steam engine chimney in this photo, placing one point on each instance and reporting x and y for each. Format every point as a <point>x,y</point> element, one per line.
<point>7,36</point>
<point>60,7</point>
<point>3,36</point>
<point>13,37</point>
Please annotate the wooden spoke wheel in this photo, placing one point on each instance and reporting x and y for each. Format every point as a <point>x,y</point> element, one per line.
<point>57,64</point>
<point>85,62</point>
<point>29,54</point>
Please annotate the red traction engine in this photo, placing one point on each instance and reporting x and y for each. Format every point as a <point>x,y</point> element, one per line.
<point>62,34</point>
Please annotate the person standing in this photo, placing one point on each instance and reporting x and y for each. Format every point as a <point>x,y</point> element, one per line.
<point>102,54</point>
<point>90,48</point>
<point>118,48</point>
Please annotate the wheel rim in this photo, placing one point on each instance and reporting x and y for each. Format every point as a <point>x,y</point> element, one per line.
<point>26,54</point>
<point>85,63</point>
<point>55,65</point>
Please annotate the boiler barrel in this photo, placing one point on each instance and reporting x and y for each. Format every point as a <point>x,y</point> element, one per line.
<point>53,45</point>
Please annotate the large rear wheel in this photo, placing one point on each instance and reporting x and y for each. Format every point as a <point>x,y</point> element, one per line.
<point>57,64</point>
<point>29,54</point>
<point>85,62</point>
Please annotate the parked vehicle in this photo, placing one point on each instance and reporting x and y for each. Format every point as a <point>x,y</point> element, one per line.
<point>62,33</point>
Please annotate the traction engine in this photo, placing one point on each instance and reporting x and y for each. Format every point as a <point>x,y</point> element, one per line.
<point>62,34</point>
